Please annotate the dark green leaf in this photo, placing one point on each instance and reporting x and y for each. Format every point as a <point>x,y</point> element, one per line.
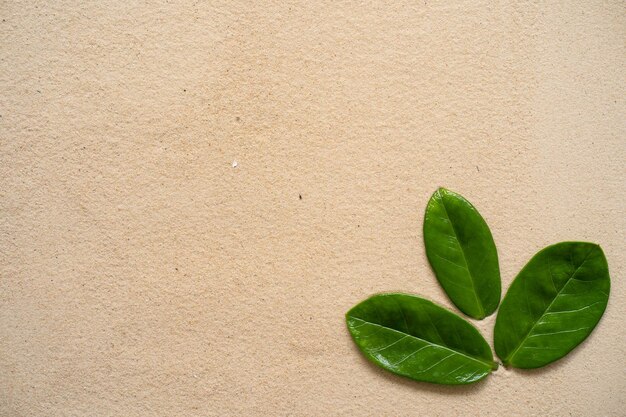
<point>461,251</point>
<point>415,338</point>
<point>552,305</point>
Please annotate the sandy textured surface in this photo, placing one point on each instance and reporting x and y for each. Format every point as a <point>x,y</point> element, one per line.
<point>142,274</point>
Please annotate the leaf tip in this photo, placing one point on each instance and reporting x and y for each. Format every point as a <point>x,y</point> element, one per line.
<point>478,316</point>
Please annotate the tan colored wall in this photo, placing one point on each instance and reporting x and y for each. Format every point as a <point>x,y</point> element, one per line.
<point>141,274</point>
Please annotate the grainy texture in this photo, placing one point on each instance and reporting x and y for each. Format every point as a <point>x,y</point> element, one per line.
<point>142,274</point>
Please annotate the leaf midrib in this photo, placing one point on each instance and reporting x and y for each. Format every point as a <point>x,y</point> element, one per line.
<point>490,365</point>
<point>456,236</point>
<point>507,360</point>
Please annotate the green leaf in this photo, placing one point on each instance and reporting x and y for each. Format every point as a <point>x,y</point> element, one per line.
<point>553,304</point>
<point>415,338</point>
<point>461,251</point>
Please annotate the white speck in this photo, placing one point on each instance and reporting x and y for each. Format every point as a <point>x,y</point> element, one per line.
<point>235,164</point>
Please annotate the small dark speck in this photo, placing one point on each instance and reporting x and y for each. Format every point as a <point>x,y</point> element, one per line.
<point>358,225</point>
<point>176,269</point>
<point>39,91</point>
<point>300,196</point>
<point>477,168</point>
<point>238,118</point>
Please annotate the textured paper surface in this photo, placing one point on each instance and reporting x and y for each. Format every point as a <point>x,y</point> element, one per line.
<point>143,273</point>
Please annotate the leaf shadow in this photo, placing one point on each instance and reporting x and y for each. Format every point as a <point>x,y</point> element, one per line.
<point>469,389</point>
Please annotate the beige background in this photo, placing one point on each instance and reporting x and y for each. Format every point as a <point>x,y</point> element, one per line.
<point>142,274</point>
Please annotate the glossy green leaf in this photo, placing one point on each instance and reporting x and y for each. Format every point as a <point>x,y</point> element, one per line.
<point>553,304</point>
<point>461,251</point>
<point>415,338</point>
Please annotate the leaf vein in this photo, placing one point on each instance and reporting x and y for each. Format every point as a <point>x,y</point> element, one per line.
<point>388,346</point>
<point>574,311</point>
<point>559,332</point>
<point>411,354</point>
